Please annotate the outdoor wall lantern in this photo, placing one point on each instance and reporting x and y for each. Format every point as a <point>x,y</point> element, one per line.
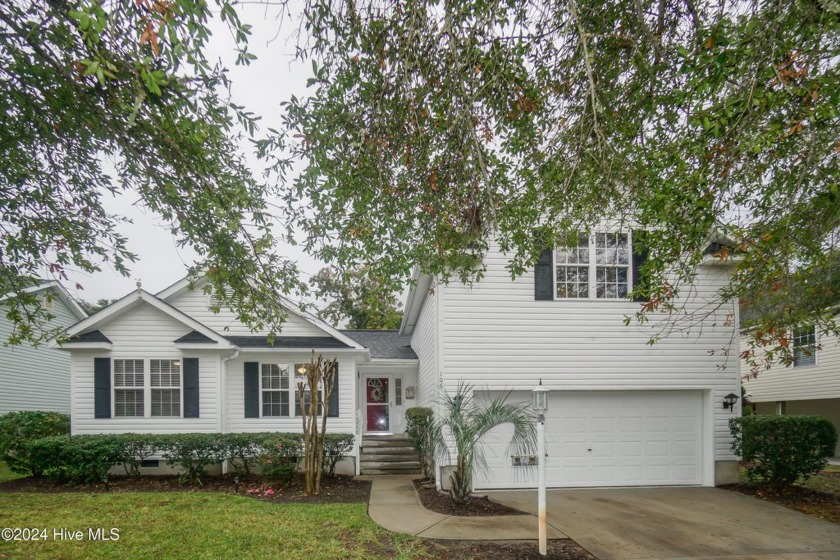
<point>541,407</point>
<point>729,401</point>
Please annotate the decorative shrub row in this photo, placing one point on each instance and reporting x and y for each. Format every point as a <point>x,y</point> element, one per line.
<point>778,450</point>
<point>17,429</point>
<point>88,458</point>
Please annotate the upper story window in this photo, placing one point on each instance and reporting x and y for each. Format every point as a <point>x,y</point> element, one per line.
<point>598,267</point>
<point>805,347</point>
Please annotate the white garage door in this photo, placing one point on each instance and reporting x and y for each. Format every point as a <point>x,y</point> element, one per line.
<point>606,438</point>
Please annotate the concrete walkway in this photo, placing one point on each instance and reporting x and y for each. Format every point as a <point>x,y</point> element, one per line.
<point>395,505</point>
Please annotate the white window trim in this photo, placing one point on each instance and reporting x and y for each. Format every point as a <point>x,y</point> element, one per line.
<point>816,351</point>
<point>592,266</point>
<point>146,388</point>
<point>289,391</point>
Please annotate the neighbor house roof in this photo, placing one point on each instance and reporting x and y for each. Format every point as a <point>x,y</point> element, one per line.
<point>281,342</point>
<point>61,291</point>
<point>389,345</point>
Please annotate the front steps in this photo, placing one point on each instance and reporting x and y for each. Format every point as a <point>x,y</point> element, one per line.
<point>391,454</point>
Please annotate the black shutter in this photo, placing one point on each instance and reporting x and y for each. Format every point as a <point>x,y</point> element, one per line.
<point>544,277</point>
<point>333,411</point>
<point>641,291</point>
<point>252,390</point>
<point>102,387</point>
<point>190,387</point>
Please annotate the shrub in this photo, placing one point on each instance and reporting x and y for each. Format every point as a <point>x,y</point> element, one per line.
<point>242,449</point>
<point>136,448</point>
<point>75,459</point>
<point>420,428</point>
<point>193,453</point>
<point>336,447</point>
<point>18,429</point>
<point>778,450</point>
<point>280,457</point>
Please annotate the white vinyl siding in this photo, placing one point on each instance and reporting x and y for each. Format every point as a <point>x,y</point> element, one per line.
<point>497,337</point>
<point>35,378</point>
<point>235,387</point>
<point>145,333</point>
<point>425,344</point>
<point>819,381</point>
<point>196,304</point>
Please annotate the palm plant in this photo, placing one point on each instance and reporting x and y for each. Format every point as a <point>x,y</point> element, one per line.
<point>462,425</point>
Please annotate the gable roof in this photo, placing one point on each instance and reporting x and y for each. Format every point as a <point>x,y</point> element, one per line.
<point>186,284</point>
<point>420,285</point>
<point>61,292</point>
<point>128,302</point>
<point>384,344</point>
<point>284,342</point>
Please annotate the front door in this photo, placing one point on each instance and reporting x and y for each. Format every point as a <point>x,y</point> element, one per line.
<point>376,396</point>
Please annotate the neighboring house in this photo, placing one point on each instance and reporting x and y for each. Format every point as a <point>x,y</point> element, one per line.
<point>810,385</point>
<point>623,413</point>
<point>38,378</point>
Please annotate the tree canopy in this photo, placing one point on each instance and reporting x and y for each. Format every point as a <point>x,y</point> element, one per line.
<point>87,82</point>
<point>356,298</point>
<point>433,127</point>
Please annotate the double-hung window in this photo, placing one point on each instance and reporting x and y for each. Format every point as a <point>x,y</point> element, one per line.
<point>166,387</point>
<point>805,347</point>
<point>129,388</point>
<point>597,267</point>
<point>300,377</point>
<point>275,389</point>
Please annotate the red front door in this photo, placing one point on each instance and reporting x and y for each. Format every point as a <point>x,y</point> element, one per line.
<point>376,396</point>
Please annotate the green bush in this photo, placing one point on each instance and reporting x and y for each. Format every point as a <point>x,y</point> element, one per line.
<point>778,450</point>
<point>17,429</point>
<point>420,428</point>
<point>75,459</point>
<point>192,452</point>
<point>336,447</point>
<point>136,448</point>
<point>280,457</point>
<point>242,449</point>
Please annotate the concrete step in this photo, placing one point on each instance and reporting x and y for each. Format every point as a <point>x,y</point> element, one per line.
<point>389,459</point>
<point>363,464</point>
<point>368,471</point>
<point>388,451</point>
<point>400,442</point>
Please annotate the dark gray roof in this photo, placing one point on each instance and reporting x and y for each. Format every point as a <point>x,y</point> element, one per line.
<point>195,336</point>
<point>287,342</point>
<point>384,344</point>
<point>90,336</point>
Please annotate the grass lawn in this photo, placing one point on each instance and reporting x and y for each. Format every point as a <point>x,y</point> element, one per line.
<point>198,525</point>
<point>830,484</point>
<point>7,474</point>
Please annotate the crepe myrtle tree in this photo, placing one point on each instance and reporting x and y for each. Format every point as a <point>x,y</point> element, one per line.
<point>463,422</point>
<point>432,127</point>
<point>103,98</point>
<point>318,373</point>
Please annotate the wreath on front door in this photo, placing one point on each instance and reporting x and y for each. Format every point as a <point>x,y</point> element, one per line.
<point>376,391</point>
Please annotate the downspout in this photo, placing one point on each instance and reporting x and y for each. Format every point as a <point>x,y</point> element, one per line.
<point>223,404</point>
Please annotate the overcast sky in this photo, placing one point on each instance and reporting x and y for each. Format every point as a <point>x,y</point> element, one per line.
<point>260,87</point>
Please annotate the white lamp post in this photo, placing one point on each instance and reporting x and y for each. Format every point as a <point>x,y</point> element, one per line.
<point>540,407</point>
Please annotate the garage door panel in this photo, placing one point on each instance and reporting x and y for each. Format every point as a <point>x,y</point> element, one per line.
<point>615,438</point>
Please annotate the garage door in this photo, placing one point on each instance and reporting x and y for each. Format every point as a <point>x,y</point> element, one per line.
<point>606,438</point>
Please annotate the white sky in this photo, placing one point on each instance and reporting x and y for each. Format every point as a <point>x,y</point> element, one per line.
<point>260,87</point>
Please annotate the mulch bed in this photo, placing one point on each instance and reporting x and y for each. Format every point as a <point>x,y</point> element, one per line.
<point>813,502</point>
<point>334,490</point>
<point>475,507</point>
<point>559,549</point>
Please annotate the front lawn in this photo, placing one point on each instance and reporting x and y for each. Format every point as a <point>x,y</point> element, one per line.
<point>198,525</point>
<point>7,474</point>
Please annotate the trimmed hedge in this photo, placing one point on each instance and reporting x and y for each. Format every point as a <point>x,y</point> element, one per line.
<point>778,450</point>
<point>17,429</point>
<point>88,458</point>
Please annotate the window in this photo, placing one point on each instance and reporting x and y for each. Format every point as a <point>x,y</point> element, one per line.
<point>166,387</point>
<point>300,377</point>
<point>274,382</point>
<point>805,347</point>
<point>398,391</point>
<point>129,388</point>
<point>603,257</point>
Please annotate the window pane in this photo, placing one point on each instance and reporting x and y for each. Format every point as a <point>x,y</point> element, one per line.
<point>166,402</point>
<point>805,347</point>
<point>128,402</point>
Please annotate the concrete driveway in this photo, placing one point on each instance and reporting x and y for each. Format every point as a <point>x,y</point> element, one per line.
<point>674,523</point>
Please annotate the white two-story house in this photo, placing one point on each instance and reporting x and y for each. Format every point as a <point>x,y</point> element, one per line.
<point>623,412</point>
